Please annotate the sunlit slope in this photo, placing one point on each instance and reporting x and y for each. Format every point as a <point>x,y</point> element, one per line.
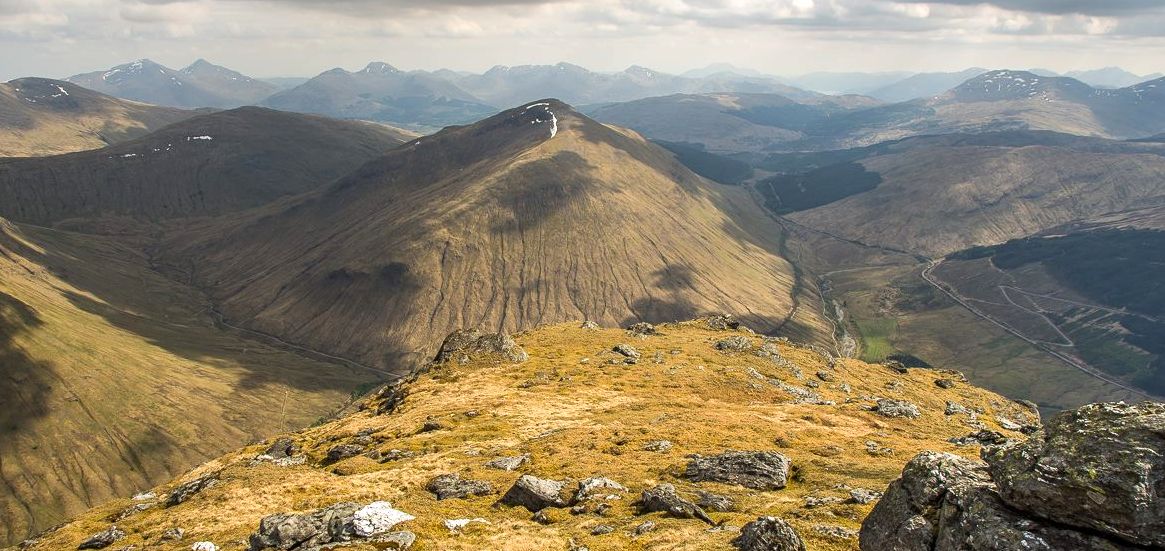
<point>534,216</point>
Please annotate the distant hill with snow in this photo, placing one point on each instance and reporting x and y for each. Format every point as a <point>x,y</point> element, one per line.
<point>202,84</point>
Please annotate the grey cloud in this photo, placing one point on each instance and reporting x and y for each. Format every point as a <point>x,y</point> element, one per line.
<point>1063,7</point>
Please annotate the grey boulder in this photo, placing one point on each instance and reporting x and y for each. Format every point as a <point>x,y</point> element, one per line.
<point>1100,467</point>
<point>768,534</point>
<point>759,470</point>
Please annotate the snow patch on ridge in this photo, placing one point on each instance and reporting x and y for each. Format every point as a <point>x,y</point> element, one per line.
<point>553,120</point>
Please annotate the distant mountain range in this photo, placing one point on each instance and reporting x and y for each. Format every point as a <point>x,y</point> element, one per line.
<point>992,101</point>
<point>429,100</point>
<point>202,84</point>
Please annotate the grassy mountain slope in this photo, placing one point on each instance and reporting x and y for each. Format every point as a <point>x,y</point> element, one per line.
<point>577,416</point>
<point>115,379</point>
<point>210,164</point>
<point>536,215</point>
<point>40,116</point>
<point>937,200</point>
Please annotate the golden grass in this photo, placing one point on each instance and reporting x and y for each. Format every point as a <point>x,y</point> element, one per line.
<point>114,379</point>
<point>587,419</point>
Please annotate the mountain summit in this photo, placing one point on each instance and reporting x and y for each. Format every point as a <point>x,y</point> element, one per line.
<point>536,215</point>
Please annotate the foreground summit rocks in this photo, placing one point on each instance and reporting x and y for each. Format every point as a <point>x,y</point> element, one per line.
<point>691,448</point>
<point>1101,467</point>
<point>1091,480</point>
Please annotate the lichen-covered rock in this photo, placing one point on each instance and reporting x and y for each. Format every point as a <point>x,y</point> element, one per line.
<point>759,470</point>
<point>508,463</point>
<point>768,534</point>
<point>449,486</point>
<point>716,502</point>
<point>536,494</point>
<point>642,329</point>
<point>949,503</point>
<point>980,437</point>
<point>391,397</point>
<point>588,324</point>
<point>338,523</point>
<point>658,446</point>
<point>188,490</point>
<point>597,487</point>
<point>1100,467</point>
<point>474,342</point>
<point>103,539</point>
<point>664,499</point>
<point>283,447</point>
<point>626,351</point>
<point>722,322</point>
<point>862,496</point>
<point>343,451</point>
<point>896,408</point>
<point>735,343</point>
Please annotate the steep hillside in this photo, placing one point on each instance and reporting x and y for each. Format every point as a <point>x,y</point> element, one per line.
<point>729,123</point>
<point>817,439</point>
<point>210,164</point>
<point>533,216</point>
<point>946,197</point>
<point>114,379</point>
<point>40,116</point>
<point>381,92</point>
<point>202,84</point>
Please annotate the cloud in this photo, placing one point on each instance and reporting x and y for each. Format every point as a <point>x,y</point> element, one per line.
<point>678,33</point>
<point>1064,7</point>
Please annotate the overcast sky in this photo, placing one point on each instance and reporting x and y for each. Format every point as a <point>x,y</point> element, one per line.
<point>264,38</point>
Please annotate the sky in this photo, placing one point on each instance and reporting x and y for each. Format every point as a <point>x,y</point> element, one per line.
<point>268,38</point>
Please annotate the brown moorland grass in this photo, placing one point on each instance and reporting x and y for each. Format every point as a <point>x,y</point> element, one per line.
<point>578,416</point>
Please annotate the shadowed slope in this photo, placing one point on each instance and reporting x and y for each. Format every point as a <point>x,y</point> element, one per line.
<point>210,164</point>
<point>113,378</point>
<point>533,216</point>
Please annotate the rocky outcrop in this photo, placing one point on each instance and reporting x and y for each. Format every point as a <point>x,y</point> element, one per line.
<point>1100,467</point>
<point>536,494</point>
<point>103,539</point>
<point>1091,481</point>
<point>468,343</point>
<point>188,490</point>
<point>896,408</point>
<point>735,343</point>
<point>449,486</point>
<point>664,499</point>
<point>756,470</point>
<point>342,522</point>
<point>768,534</point>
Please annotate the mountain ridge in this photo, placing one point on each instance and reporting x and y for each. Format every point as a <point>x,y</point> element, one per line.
<point>41,116</point>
